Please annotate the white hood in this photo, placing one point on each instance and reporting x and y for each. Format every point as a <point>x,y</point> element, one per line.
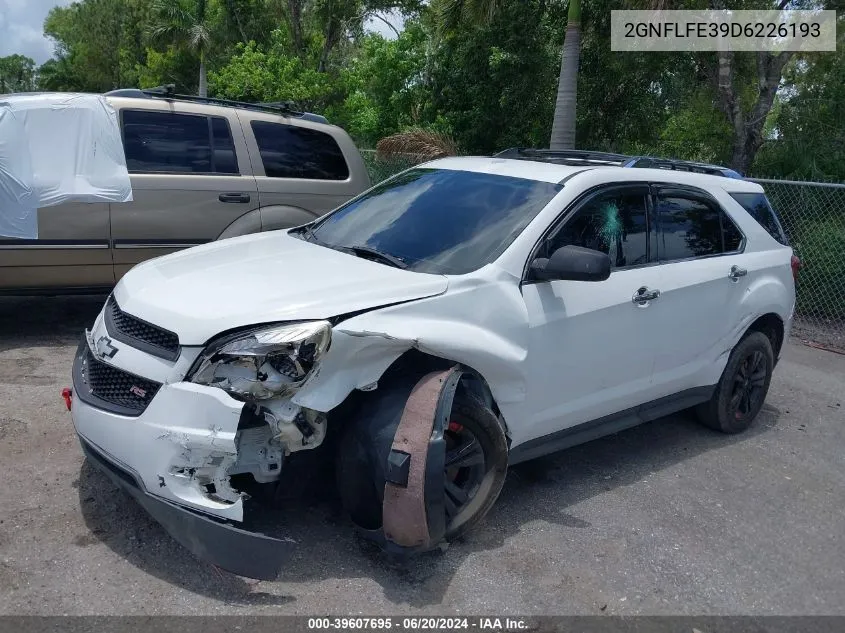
<point>202,291</point>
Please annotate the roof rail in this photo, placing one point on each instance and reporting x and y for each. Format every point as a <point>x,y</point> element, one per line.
<point>168,92</point>
<point>587,158</point>
<point>563,156</point>
<point>653,162</point>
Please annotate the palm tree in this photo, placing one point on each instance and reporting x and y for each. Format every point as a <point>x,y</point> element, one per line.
<point>185,23</point>
<point>563,124</point>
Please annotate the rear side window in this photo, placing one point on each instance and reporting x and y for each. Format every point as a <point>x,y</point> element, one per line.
<point>759,208</point>
<point>289,151</point>
<point>166,142</point>
<point>692,227</point>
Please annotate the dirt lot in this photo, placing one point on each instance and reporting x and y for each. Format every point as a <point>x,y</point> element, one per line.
<point>665,518</point>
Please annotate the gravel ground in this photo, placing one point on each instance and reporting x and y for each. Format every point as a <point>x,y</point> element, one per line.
<point>827,333</point>
<point>667,518</point>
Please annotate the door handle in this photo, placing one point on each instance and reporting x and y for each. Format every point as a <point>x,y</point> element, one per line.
<point>643,295</point>
<point>736,273</point>
<point>233,197</point>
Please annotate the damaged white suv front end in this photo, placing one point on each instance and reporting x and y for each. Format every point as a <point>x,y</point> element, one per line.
<point>172,414</point>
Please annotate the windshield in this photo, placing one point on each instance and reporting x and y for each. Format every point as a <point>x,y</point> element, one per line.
<point>436,220</point>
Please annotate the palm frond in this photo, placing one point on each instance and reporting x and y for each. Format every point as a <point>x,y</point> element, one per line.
<point>170,17</point>
<point>199,36</point>
<point>418,143</point>
<point>451,13</point>
<point>448,13</point>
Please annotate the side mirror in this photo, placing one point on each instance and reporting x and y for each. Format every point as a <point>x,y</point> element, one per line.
<point>573,263</point>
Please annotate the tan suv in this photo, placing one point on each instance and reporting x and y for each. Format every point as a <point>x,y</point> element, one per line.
<point>201,170</point>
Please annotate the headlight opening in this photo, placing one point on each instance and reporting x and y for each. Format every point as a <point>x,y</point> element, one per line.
<point>264,363</point>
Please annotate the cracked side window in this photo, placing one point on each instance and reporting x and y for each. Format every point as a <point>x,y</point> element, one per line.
<point>613,223</point>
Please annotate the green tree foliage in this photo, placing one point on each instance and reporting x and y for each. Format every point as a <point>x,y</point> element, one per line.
<point>493,84</point>
<point>173,65</point>
<point>625,100</point>
<point>388,89</point>
<point>17,74</point>
<point>483,71</point>
<point>98,44</point>
<point>186,24</point>
<point>276,74</point>
<point>807,138</point>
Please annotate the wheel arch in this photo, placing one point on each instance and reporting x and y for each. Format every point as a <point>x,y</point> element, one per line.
<point>282,216</point>
<point>415,364</point>
<point>249,222</point>
<point>267,218</point>
<point>391,449</point>
<point>772,325</point>
<point>767,306</point>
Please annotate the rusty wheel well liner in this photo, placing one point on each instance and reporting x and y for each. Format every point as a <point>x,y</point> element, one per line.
<point>371,427</point>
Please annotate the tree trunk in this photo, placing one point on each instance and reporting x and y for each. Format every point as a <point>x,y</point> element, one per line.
<point>332,37</point>
<point>748,124</point>
<point>563,125</point>
<point>203,87</point>
<point>748,127</point>
<point>294,15</point>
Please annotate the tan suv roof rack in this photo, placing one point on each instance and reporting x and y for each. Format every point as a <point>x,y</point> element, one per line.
<point>167,92</point>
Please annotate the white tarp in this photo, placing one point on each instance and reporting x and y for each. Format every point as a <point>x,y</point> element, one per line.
<point>55,148</point>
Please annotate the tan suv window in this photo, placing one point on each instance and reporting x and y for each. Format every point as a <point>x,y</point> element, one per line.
<point>290,151</point>
<point>156,142</point>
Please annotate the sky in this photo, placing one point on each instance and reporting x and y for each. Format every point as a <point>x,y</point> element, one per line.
<point>22,22</point>
<point>22,28</point>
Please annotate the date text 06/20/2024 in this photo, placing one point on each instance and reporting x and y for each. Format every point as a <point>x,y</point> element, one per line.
<point>418,623</point>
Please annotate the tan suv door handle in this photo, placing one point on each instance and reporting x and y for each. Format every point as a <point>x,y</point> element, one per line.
<point>233,197</point>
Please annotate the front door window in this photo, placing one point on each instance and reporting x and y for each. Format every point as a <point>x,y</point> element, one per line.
<point>613,223</point>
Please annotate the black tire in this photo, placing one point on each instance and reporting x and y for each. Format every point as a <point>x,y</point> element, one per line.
<point>742,389</point>
<point>476,421</point>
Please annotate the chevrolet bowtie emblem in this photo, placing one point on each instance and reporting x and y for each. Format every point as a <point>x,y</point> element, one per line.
<point>104,347</point>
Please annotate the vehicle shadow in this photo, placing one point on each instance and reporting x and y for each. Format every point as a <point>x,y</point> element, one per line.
<point>329,548</point>
<point>28,321</point>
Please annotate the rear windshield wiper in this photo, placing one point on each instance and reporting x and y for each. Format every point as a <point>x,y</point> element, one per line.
<point>384,258</point>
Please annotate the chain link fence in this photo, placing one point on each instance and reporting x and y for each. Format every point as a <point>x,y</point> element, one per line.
<point>380,167</point>
<point>813,217</point>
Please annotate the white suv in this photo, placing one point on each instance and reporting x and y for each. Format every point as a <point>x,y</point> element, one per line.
<point>466,314</point>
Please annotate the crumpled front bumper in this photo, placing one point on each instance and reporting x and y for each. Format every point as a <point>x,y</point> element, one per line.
<point>238,551</point>
<point>157,457</point>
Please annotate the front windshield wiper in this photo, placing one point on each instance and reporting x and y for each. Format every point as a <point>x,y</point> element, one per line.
<point>359,250</point>
<point>384,258</point>
<point>308,234</point>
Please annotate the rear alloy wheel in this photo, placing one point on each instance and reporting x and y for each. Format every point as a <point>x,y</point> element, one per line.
<point>743,387</point>
<point>475,466</point>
